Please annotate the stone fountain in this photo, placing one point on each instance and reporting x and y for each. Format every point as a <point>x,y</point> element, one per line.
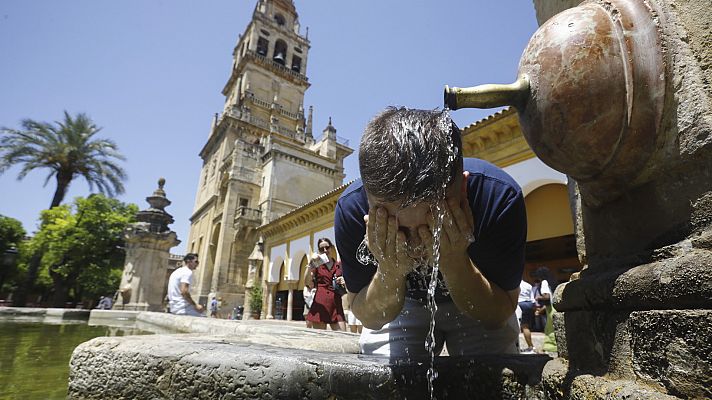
<point>148,241</point>
<point>617,94</point>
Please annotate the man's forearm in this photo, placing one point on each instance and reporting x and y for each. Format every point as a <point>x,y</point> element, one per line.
<point>380,302</point>
<point>477,297</point>
<point>188,298</point>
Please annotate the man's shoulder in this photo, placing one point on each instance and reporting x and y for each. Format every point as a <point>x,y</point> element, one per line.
<point>183,271</point>
<point>353,198</point>
<point>481,169</point>
<point>353,192</point>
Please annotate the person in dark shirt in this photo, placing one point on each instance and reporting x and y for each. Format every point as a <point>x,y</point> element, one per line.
<point>417,194</point>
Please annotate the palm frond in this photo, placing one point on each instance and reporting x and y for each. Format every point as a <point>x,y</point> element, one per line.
<point>68,148</point>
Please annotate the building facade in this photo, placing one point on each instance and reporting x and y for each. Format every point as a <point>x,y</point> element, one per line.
<point>261,159</point>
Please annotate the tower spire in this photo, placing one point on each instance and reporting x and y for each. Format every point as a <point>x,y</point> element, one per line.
<point>308,129</point>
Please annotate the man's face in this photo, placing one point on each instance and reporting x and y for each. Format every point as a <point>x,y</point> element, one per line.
<point>412,217</point>
<point>192,264</point>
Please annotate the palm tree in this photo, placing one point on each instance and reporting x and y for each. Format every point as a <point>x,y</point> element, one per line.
<point>68,149</point>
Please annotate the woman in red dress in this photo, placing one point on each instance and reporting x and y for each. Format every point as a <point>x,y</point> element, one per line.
<point>326,308</point>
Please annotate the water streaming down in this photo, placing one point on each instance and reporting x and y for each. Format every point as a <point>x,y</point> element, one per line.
<point>439,215</point>
<point>438,211</point>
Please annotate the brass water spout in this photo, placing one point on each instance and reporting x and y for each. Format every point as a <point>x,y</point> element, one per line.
<point>488,96</point>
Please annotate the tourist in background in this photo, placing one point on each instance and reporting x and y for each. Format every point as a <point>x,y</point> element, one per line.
<point>179,299</point>
<point>352,322</point>
<point>526,314</point>
<point>215,307</point>
<point>104,303</point>
<point>308,293</point>
<point>326,308</point>
<point>544,299</point>
<point>412,173</point>
<point>539,317</point>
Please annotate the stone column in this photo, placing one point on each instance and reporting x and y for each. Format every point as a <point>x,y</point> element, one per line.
<point>148,242</point>
<point>254,264</point>
<point>270,300</point>
<point>290,300</point>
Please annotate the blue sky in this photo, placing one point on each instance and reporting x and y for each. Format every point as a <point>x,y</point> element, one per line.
<point>150,73</point>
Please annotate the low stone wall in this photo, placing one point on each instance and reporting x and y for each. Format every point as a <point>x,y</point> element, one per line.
<point>229,367</point>
<point>265,332</point>
<point>43,314</point>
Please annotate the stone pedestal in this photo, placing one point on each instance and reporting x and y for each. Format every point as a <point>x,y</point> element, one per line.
<point>143,283</point>
<point>145,269</point>
<point>636,322</point>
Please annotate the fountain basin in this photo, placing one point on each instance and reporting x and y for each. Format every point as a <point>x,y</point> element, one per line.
<point>228,367</point>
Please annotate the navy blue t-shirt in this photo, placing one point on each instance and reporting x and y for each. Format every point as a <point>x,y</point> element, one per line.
<point>500,230</point>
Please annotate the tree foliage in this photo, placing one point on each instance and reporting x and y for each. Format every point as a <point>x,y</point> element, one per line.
<point>68,149</point>
<point>256,299</point>
<point>84,247</point>
<point>11,233</point>
<point>11,239</point>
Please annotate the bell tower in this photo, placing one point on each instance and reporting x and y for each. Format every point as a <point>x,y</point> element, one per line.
<point>268,77</point>
<point>260,160</point>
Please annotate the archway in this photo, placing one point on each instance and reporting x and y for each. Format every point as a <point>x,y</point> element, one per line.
<point>550,232</point>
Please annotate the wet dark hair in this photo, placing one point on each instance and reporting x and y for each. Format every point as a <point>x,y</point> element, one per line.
<point>408,155</point>
<point>190,256</point>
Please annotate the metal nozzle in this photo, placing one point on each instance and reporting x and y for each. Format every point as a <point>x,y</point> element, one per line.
<point>488,96</point>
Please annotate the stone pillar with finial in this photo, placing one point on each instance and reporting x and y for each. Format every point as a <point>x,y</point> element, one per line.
<point>148,241</point>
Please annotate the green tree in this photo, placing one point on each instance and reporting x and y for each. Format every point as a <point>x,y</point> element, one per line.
<point>84,247</point>
<point>256,300</point>
<point>11,236</point>
<point>68,149</point>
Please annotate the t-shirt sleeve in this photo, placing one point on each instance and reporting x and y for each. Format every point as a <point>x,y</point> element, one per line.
<point>499,251</point>
<point>186,278</point>
<point>349,231</point>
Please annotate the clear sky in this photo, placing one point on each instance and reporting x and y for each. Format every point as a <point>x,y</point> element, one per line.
<point>150,73</point>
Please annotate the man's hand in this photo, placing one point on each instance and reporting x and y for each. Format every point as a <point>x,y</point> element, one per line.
<point>472,292</point>
<point>382,300</point>
<point>387,244</point>
<point>456,231</point>
<point>199,307</point>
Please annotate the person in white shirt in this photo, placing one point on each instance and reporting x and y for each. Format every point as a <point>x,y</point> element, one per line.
<point>544,299</point>
<point>526,305</point>
<point>179,299</point>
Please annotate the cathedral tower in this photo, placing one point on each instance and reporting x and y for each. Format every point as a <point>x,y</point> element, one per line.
<point>260,160</point>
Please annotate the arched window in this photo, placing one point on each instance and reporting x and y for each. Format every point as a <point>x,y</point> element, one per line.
<point>262,45</point>
<point>279,19</point>
<point>296,64</point>
<point>280,52</point>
